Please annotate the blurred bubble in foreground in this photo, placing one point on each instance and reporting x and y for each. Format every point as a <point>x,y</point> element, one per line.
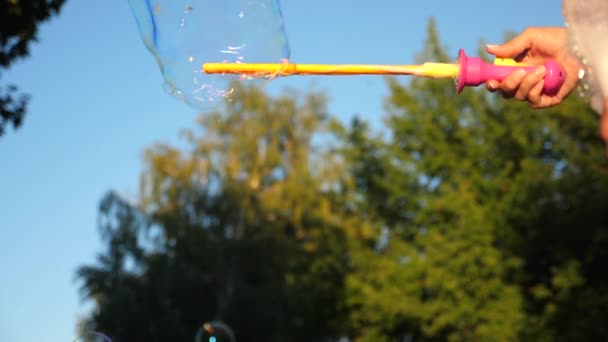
<point>182,35</point>
<point>214,332</point>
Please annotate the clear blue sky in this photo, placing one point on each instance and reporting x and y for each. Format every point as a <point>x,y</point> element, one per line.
<point>98,102</point>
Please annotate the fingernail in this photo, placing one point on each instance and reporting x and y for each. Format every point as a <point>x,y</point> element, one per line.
<point>540,70</point>
<point>521,73</point>
<point>491,46</point>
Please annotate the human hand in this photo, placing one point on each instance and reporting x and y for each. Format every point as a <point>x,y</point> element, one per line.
<point>534,46</point>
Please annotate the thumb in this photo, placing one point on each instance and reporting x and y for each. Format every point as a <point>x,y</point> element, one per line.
<point>512,48</point>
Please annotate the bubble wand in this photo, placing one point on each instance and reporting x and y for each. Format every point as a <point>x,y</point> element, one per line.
<point>469,71</point>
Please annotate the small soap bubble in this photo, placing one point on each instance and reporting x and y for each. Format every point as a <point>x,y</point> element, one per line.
<point>215,332</point>
<point>93,337</point>
<point>182,37</point>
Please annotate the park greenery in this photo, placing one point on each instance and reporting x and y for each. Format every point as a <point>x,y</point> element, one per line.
<point>464,218</point>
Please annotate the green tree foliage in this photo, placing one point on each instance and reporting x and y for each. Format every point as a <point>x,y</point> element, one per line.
<point>240,228</point>
<point>493,213</point>
<point>434,186</point>
<point>468,218</point>
<point>19,22</point>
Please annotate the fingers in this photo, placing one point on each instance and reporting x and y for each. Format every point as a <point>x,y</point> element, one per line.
<point>534,46</point>
<point>512,48</point>
<point>492,85</point>
<point>509,86</point>
<point>530,81</point>
<point>524,86</point>
<point>535,97</point>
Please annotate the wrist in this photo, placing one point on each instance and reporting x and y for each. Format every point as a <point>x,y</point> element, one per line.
<point>583,74</point>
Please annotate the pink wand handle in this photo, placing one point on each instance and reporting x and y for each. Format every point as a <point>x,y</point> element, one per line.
<point>474,71</point>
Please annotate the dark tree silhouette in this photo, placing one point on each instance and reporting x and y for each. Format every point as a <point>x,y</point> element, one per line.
<point>244,228</point>
<point>19,22</point>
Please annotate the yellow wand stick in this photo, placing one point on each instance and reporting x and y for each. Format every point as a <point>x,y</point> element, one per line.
<point>289,69</point>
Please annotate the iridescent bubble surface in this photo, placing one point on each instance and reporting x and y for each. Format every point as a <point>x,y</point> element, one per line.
<point>182,35</point>
<point>215,331</point>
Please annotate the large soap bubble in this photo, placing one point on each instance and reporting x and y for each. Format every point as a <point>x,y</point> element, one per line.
<point>184,34</point>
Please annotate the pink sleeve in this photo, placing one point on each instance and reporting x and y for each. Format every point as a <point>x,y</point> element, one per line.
<point>587,24</point>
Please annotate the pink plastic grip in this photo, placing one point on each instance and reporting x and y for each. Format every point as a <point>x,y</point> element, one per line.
<point>474,71</point>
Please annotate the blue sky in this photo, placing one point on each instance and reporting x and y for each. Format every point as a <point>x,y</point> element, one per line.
<point>98,101</point>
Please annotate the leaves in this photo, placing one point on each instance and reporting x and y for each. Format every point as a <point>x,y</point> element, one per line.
<point>480,197</point>
<point>466,218</point>
<point>242,226</point>
<point>19,22</point>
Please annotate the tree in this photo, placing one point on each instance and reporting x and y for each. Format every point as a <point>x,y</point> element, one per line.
<point>424,186</point>
<point>19,22</point>
<point>493,225</point>
<point>239,228</point>
<point>469,218</point>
